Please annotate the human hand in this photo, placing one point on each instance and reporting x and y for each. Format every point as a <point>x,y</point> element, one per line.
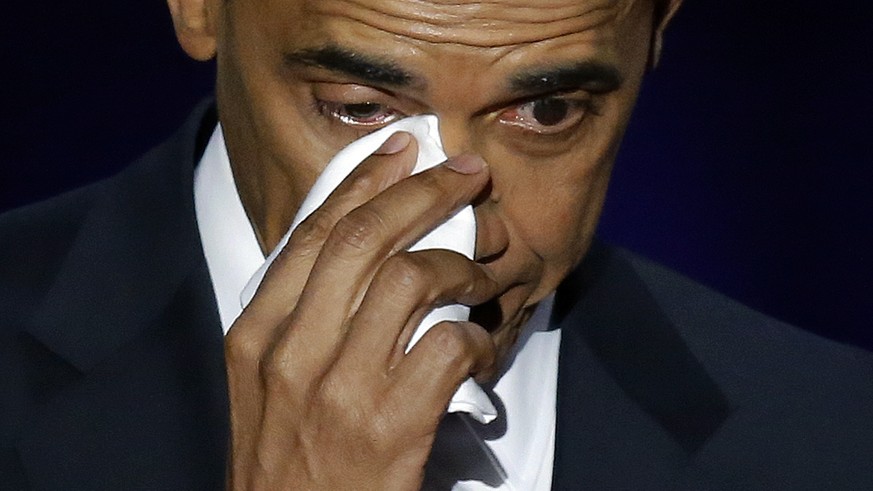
<point>322,396</point>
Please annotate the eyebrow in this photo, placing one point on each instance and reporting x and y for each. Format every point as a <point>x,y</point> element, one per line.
<point>593,76</point>
<point>366,68</point>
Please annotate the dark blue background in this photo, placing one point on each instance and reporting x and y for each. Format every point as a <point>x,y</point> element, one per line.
<point>747,165</point>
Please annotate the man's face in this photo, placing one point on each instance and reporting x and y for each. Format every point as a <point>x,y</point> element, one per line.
<point>541,89</point>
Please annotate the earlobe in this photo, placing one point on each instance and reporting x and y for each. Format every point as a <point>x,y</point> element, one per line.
<point>658,31</point>
<point>194,22</point>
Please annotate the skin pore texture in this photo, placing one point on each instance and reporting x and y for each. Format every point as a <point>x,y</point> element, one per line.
<point>533,98</point>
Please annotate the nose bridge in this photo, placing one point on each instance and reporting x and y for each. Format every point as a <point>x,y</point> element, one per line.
<point>455,133</point>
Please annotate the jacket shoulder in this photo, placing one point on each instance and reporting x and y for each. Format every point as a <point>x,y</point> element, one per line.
<point>801,404</point>
<point>715,325</point>
<point>82,276</point>
<point>36,239</point>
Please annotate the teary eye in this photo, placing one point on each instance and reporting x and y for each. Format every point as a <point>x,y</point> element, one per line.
<point>361,115</point>
<point>547,115</point>
<point>362,111</point>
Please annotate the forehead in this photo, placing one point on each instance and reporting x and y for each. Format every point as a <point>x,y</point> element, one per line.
<point>493,24</point>
<point>467,39</point>
<point>490,24</point>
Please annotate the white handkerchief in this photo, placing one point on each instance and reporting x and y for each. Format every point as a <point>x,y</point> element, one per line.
<point>457,234</point>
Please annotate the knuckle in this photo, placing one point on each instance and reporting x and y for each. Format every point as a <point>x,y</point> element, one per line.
<point>479,285</point>
<point>469,288</point>
<point>363,184</point>
<point>276,372</point>
<point>337,396</point>
<point>354,408</point>
<point>330,393</point>
<point>408,274</point>
<point>450,344</point>
<point>240,346</point>
<point>310,234</point>
<point>358,232</point>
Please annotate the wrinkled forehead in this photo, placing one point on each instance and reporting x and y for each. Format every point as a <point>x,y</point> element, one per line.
<point>466,45</point>
<point>492,24</point>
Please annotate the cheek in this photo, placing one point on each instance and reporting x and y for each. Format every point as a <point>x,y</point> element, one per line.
<point>274,110</point>
<point>553,222</point>
<point>550,210</point>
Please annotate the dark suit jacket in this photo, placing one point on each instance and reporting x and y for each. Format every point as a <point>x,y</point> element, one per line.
<point>113,371</point>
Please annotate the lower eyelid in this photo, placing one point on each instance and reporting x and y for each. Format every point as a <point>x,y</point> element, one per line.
<point>333,110</point>
<point>528,128</point>
<point>349,121</point>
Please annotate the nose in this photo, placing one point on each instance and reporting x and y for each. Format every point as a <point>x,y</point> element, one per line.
<point>456,136</point>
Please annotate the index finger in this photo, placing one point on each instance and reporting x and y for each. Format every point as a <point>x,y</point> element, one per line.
<point>364,239</point>
<point>278,292</point>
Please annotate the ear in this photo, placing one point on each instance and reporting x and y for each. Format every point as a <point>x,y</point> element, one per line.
<point>195,24</point>
<point>658,32</point>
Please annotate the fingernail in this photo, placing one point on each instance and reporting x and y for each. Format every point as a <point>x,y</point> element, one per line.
<point>395,143</point>
<point>466,164</point>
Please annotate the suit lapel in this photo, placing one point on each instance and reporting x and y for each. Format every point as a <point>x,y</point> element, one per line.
<point>132,317</point>
<point>634,403</point>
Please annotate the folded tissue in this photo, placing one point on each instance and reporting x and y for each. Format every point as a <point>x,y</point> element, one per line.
<point>457,234</point>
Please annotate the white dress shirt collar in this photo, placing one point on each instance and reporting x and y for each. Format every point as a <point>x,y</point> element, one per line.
<point>229,241</point>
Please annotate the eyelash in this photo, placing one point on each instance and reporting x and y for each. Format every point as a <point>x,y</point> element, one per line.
<point>578,103</point>
<point>337,112</point>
